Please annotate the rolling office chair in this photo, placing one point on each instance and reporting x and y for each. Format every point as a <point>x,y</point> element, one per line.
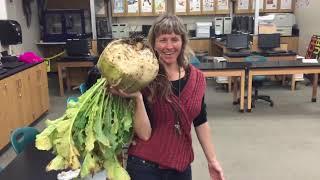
<point>257,81</point>
<point>21,137</point>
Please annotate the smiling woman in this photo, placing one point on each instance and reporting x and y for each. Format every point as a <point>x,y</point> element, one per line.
<point>169,106</point>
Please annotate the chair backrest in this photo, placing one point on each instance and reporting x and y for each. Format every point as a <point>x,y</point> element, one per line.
<point>21,137</point>
<point>256,58</point>
<point>83,88</point>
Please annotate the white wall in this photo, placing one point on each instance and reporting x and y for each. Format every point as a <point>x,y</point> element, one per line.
<point>308,17</point>
<point>30,35</point>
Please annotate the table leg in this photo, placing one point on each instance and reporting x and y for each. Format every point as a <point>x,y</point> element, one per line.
<point>235,89</point>
<point>68,79</point>
<point>314,88</point>
<point>60,79</point>
<point>249,96</point>
<point>242,84</point>
<point>229,84</point>
<point>293,83</point>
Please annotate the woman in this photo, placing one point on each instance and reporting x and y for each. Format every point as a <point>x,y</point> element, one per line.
<point>166,109</point>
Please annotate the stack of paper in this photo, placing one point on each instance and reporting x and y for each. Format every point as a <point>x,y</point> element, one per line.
<point>309,60</point>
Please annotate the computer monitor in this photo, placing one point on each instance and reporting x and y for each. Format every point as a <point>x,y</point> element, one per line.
<point>237,41</point>
<point>78,47</point>
<point>145,30</point>
<point>268,41</point>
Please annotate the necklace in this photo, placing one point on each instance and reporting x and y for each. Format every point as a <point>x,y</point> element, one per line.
<point>177,125</point>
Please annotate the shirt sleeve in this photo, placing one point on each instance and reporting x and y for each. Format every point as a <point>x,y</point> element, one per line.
<point>202,117</point>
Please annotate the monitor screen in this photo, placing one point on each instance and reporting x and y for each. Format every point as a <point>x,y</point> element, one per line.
<point>237,41</point>
<point>145,30</point>
<point>269,41</point>
<point>77,47</point>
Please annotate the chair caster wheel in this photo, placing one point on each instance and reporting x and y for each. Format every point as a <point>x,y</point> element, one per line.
<point>271,104</point>
<point>241,110</point>
<point>248,110</point>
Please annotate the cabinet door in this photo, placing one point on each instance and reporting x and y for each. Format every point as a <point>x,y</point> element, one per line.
<point>242,6</point>
<point>146,8</point>
<point>222,7</point>
<point>24,100</point>
<point>132,7</point>
<point>44,93</point>
<point>118,8</point>
<point>271,5</point>
<point>194,7</point>
<point>253,5</point>
<point>15,112</point>
<point>38,83</point>
<point>286,5</point>
<point>5,121</point>
<point>208,6</point>
<point>180,7</point>
<point>160,6</point>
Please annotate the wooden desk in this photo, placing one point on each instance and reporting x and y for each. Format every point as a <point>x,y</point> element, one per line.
<point>222,69</point>
<point>66,65</point>
<point>218,48</point>
<point>271,58</point>
<point>282,68</point>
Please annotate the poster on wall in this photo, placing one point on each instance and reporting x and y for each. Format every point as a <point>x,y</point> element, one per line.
<point>118,6</point>
<point>160,6</point>
<point>194,6</point>
<point>181,6</point>
<point>146,6</point>
<point>223,5</point>
<point>313,51</point>
<point>208,5</point>
<point>271,4</point>
<point>286,4</point>
<point>243,4</point>
<point>133,6</point>
<point>260,4</point>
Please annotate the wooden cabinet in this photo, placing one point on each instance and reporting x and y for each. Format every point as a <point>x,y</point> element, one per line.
<point>279,6</point>
<point>272,6</point>
<point>242,6</point>
<point>126,8</point>
<point>200,45</point>
<point>222,7</point>
<point>286,5</point>
<point>201,7</point>
<point>118,8</point>
<point>24,98</point>
<point>5,105</point>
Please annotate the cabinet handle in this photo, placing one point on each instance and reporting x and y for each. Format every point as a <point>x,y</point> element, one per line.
<point>19,83</point>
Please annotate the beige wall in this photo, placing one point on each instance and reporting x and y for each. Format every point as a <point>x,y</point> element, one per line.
<point>308,20</point>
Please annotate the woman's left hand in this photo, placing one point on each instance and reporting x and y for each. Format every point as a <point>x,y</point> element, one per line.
<point>215,170</point>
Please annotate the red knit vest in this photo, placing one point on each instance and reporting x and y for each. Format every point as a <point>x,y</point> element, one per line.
<point>165,147</point>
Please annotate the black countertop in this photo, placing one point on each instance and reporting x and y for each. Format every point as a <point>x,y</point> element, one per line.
<point>254,65</point>
<point>30,164</point>
<point>11,72</point>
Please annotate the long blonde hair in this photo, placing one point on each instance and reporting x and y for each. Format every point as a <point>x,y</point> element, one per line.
<point>167,24</point>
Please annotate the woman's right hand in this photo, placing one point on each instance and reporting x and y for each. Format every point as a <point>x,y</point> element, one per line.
<point>121,93</point>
